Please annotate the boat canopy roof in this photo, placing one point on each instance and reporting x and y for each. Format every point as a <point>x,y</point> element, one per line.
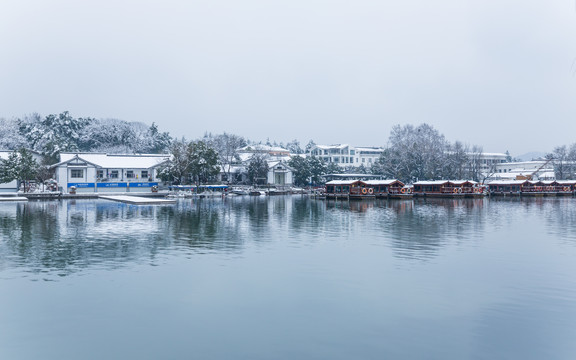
<point>383,182</point>
<point>566,182</point>
<point>343,182</point>
<point>463,182</point>
<point>507,182</point>
<point>431,182</point>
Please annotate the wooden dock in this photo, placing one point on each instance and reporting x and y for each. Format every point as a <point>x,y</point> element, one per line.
<point>138,200</point>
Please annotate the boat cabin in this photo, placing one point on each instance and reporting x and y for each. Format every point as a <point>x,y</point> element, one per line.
<point>506,186</point>
<point>385,188</point>
<point>534,188</point>
<point>448,188</point>
<point>349,189</point>
<point>568,186</point>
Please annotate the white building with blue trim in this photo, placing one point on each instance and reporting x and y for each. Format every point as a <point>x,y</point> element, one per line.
<point>99,172</point>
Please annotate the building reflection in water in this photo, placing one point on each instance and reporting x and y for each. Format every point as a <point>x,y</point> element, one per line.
<point>66,236</point>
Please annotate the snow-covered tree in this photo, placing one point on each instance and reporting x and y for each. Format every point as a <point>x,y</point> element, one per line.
<point>309,146</point>
<point>53,134</point>
<point>560,157</point>
<point>111,136</point>
<point>317,169</point>
<point>301,174</point>
<point>159,142</point>
<point>258,169</point>
<point>19,166</point>
<point>414,153</point>
<point>203,162</point>
<point>227,146</point>
<point>475,165</point>
<point>332,168</point>
<point>294,147</point>
<point>10,137</point>
<point>177,170</point>
<point>456,163</point>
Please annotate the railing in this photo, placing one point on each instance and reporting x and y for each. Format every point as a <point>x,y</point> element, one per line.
<point>542,189</point>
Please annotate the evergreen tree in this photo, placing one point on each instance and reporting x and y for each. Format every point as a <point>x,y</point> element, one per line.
<point>19,166</point>
<point>317,170</point>
<point>54,134</point>
<point>258,170</point>
<point>203,162</point>
<point>301,174</point>
<point>178,168</point>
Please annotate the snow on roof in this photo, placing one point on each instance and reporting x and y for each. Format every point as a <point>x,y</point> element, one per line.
<point>333,146</point>
<point>5,154</point>
<point>262,147</point>
<point>382,182</point>
<point>492,154</point>
<point>506,182</point>
<point>462,182</point>
<point>369,148</point>
<point>352,175</point>
<point>113,161</point>
<point>273,163</point>
<point>245,156</point>
<point>431,182</point>
<point>566,182</point>
<point>342,182</point>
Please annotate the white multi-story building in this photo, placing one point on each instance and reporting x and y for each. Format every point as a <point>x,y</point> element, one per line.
<point>345,155</point>
<point>537,169</point>
<point>490,161</point>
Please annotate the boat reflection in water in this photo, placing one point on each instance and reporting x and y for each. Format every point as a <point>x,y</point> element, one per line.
<point>289,277</point>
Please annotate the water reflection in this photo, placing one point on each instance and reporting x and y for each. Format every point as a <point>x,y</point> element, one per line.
<point>421,230</point>
<point>66,236</point>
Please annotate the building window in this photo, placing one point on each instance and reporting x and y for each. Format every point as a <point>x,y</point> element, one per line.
<point>144,174</point>
<point>130,174</point>
<point>114,174</point>
<point>76,173</point>
<point>100,174</point>
<point>363,160</point>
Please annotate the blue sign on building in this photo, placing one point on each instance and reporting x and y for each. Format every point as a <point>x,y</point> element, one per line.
<point>81,185</point>
<point>144,184</point>
<point>111,185</point>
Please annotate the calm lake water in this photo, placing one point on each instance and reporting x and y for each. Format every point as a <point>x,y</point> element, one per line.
<point>289,278</point>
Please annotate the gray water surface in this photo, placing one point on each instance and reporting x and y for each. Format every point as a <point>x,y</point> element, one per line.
<point>289,278</point>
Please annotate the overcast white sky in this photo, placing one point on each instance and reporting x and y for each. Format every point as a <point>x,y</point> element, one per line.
<point>497,73</point>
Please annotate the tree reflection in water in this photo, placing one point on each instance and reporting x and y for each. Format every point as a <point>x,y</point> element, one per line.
<point>65,236</point>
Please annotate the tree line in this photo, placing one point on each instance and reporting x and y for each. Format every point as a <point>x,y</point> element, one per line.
<point>56,133</point>
<point>412,153</point>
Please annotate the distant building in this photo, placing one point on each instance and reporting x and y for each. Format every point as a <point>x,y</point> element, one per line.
<point>345,155</point>
<point>279,172</point>
<point>537,169</point>
<point>490,161</point>
<point>98,172</point>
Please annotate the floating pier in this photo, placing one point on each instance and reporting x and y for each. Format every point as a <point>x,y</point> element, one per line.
<point>9,196</point>
<point>138,200</point>
<point>12,198</point>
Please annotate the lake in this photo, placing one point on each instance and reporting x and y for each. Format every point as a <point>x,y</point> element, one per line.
<point>289,277</point>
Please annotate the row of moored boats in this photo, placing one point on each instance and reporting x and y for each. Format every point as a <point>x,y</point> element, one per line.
<point>395,189</point>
